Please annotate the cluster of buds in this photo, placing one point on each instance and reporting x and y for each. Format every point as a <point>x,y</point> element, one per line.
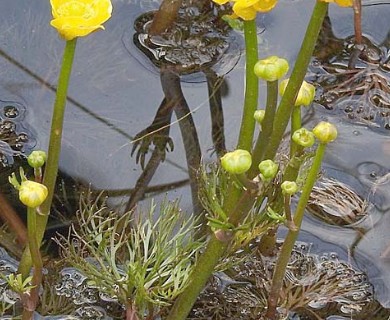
<point>32,194</point>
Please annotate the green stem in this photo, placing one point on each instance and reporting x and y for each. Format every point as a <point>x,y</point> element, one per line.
<point>201,273</point>
<point>251,87</point>
<point>285,108</point>
<point>51,169</point>
<point>239,204</point>
<point>266,127</point>
<point>280,268</point>
<point>296,123</point>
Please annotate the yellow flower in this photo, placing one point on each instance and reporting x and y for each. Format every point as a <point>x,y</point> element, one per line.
<point>32,194</point>
<point>78,18</point>
<point>247,9</point>
<point>341,3</point>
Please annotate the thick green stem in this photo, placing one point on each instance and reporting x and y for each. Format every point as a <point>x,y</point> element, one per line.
<point>285,108</point>
<point>296,123</point>
<point>266,127</point>
<point>280,268</point>
<point>51,169</point>
<point>251,87</point>
<point>33,297</point>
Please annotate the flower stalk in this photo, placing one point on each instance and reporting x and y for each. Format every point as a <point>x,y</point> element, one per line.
<point>51,168</point>
<point>285,107</point>
<point>280,268</point>
<point>251,87</point>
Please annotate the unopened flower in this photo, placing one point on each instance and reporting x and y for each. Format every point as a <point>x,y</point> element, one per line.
<point>303,137</point>
<point>289,187</point>
<point>37,158</point>
<point>325,132</point>
<point>259,116</point>
<point>32,194</point>
<point>237,162</point>
<point>305,95</point>
<point>341,3</point>
<point>268,169</point>
<point>78,18</point>
<point>271,69</point>
<point>247,9</point>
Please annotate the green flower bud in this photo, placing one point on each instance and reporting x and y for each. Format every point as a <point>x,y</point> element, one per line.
<point>268,169</point>
<point>237,162</point>
<point>259,116</point>
<point>37,159</point>
<point>325,132</point>
<point>305,95</point>
<point>271,69</point>
<point>32,194</point>
<point>289,187</point>
<point>303,137</point>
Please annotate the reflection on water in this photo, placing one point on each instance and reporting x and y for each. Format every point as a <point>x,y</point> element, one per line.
<point>112,98</point>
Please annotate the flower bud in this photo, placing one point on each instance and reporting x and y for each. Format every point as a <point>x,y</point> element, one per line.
<point>289,187</point>
<point>305,95</point>
<point>259,116</point>
<point>268,169</point>
<point>271,69</point>
<point>37,159</point>
<point>325,132</point>
<point>237,162</point>
<point>303,137</point>
<point>32,194</point>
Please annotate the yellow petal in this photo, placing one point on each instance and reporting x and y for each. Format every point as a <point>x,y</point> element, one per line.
<point>265,5</point>
<point>78,18</point>
<point>345,3</point>
<point>244,12</point>
<point>70,28</point>
<point>220,1</point>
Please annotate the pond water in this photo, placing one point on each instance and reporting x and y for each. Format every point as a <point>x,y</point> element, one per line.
<point>115,92</point>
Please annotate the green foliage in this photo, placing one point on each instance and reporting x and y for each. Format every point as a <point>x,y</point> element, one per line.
<point>141,261</point>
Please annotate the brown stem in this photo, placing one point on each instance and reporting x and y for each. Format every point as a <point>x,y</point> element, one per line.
<point>131,313</point>
<point>357,10</point>
<point>9,216</point>
<point>165,16</point>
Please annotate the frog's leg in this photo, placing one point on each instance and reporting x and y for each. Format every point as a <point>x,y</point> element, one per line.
<point>214,83</point>
<point>157,133</point>
<point>170,82</point>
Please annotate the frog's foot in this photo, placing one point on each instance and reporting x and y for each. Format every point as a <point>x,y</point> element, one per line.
<point>151,136</point>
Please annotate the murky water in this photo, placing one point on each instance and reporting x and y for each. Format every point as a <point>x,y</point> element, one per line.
<point>113,96</point>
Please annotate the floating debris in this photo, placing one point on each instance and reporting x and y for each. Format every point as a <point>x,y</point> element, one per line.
<point>336,203</point>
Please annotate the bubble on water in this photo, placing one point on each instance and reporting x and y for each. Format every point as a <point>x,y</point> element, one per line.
<point>11,111</point>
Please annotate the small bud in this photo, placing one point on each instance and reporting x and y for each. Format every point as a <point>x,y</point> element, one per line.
<point>303,137</point>
<point>268,169</point>
<point>32,194</point>
<point>237,162</point>
<point>37,159</point>
<point>271,69</point>
<point>325,132</point>
<point>305,95</point>
<point>289,187</point>
<point>259,116</point>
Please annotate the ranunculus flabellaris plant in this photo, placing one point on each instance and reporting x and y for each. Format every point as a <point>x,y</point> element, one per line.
<point>78,18</point>
<point>305,95</point>
<point>247,9</point>
<point>237,162</point>
<point>271,69</point>
<point>32,194</point>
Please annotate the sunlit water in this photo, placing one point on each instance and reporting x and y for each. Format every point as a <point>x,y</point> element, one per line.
<point>113,96</point>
